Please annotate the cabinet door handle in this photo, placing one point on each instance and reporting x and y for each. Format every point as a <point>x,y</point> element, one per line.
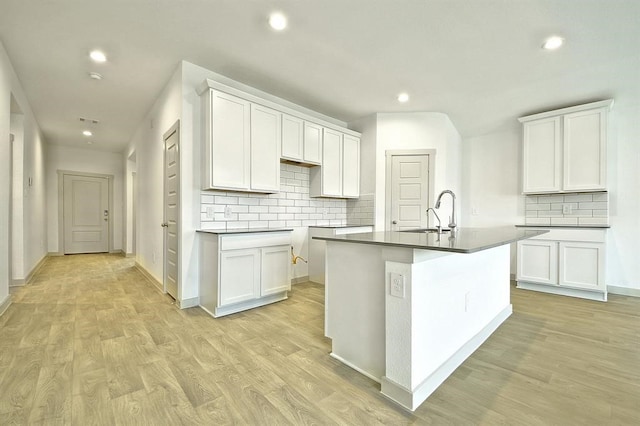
<point>395,222</point>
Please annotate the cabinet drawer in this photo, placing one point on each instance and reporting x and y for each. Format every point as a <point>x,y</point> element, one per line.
<point>262,239</point>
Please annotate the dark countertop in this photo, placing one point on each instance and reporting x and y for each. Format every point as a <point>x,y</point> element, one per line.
<point>467,240</point>
<point>242,231</point>
<point>566,226</point>
<point>337,226</point>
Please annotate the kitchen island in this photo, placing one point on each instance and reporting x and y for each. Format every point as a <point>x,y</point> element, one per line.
<point>406,309</point>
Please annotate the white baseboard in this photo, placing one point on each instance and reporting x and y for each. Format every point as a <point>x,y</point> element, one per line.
<point>623,291</point>
<point>358,369</point>
<point>55,253</point>
<point>188,303</point>
<point>19,282</point>
<point>4,305</point>
<point>157,284</point>
<point>411,399</point>
<point>564,291</point>
<point>129,255</point>
<point>298,280</point>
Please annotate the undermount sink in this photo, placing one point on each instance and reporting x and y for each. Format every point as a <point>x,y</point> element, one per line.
<point>425,230</point>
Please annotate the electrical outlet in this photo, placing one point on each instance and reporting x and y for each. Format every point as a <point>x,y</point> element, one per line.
<point>211,212</point>
<point>227,212</point>
<point>475,211</point>
<point>566,209</point>
<point>397,285</point>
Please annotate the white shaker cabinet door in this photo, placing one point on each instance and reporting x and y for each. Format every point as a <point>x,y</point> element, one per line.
<point>265,149</point>
<point>275,270</point>
<point>332,163</point>
<point>312,143</point>
<point>292,138</point>
<point>542,156</point>
<point>350,166</point>
<point>229,141</point>
<point>585,150</point>
<point>538,261</point>
<point>582,265</point>
<point>239,276</point>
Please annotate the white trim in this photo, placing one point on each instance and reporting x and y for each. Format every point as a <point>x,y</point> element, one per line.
<point>157,284</point>
<point>353,366</point>
<point>564,291</point>
<point>249,304</point>
<point>4,305</point>
<point>389,154</point>
<point>188,303</point>
<point>296,112</point>
<point>623,291</point>
<point>26,280</point>
<point>299,280</point>
<point>411,399</point>
<point>600,104</point>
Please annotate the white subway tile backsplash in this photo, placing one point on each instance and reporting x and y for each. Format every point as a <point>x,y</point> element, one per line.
<point>567,209</point>
<point>291,207</point>
<point>564,221</point>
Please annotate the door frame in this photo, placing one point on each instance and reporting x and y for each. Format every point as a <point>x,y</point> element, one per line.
<point>61,175</point>
<point>175,128</point>
<point>389,154</point>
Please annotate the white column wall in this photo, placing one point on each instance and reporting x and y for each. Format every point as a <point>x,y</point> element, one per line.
<point>34,152</point>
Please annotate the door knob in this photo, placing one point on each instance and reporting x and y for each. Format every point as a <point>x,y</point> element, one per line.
<point>395,222</point>
<point>164,225</point>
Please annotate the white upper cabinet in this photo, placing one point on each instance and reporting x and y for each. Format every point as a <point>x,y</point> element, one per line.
<point>350,166</point>
<point>301,140</point>
<point>585,150</point>
<point>312,143</point>
<point>339,175</point>
<point>292,138</point>
<point>265,149</point>
<point>245,137</point>
<point>228,142</point>
<point>566,150</point>
<point>542,151</point>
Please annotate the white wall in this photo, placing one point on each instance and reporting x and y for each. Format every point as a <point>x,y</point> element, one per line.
<point>33,167</point>
<point>492,183</point>
<point>147,144</point>
<point>17,206</point>
<point>88,161</point>
<point>420,130</point>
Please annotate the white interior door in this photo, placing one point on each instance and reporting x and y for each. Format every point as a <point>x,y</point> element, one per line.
<point>171,209</point>
<point>86,214</point>
<point>409,191</point>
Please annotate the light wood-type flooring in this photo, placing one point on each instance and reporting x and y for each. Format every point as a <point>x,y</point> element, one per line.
<point>90,341</point>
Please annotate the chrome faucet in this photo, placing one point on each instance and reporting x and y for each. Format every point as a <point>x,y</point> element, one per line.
<point>452,218</point>
<point>439,227</point>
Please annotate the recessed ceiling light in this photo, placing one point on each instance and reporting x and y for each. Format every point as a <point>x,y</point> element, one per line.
<point>95,76</point>
<point>98,56</point>
<point>278,21</point>
<point>87,132</point>
<point>403,97</point>
<point>553,43</point>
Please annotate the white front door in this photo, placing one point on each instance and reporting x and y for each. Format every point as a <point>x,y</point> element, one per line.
<point>171,208</point>
<point>86,214</point>
<point>409,191</point>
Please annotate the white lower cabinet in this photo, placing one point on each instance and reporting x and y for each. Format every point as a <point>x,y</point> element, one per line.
<point>243,271</point>
<point>570,262</point>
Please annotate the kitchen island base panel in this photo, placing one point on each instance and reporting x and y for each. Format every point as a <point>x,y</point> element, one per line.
<point>411,399</point>
<point>563,291</point>
<point>443,306</point>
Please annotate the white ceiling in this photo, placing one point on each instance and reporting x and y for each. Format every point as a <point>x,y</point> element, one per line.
<point>479,61</point>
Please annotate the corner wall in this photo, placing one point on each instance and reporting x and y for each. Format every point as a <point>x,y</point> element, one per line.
<point>34,208</point>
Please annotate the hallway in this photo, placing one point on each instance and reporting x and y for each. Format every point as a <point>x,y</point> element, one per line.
<point>91,341</point>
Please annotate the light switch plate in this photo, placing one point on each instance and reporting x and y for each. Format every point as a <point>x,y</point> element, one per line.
<point>211,212</point>
<point>397,284</point>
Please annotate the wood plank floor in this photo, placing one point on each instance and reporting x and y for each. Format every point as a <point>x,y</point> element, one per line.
<point>90,341</point>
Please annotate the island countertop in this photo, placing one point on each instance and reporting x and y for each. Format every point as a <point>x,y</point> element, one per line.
<point>465,240</point>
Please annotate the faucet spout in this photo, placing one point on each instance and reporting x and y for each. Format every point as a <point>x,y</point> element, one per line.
<point>452,218</point>
<point>439,227</point>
